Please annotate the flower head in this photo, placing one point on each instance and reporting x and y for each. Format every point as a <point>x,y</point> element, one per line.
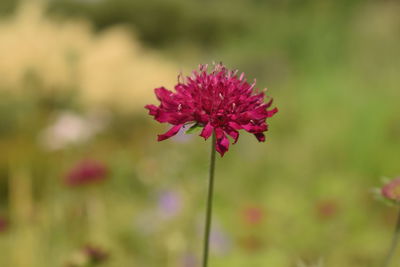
<point>86,172</point>
<point>220,101</point>
<point>391,190</point>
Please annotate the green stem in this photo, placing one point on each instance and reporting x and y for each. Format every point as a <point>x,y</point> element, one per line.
<point>395,241</point>
<point>209,203</point>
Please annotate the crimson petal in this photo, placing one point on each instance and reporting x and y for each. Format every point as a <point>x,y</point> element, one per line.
<point>222,144</point>
<point>234,134</point>
<point>207,131</point>
<point>152,109</point>
<point>171,132</point>
<point>260,137</point>
<point>271,112</point>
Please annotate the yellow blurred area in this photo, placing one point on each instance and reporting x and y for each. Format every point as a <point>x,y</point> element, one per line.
<point>109,68</point>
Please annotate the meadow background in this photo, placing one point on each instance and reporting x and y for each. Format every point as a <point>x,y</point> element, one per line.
<point>75,75</point>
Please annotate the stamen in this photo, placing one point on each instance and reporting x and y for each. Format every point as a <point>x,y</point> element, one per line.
<point>179,77</point>
<point>253,84</point>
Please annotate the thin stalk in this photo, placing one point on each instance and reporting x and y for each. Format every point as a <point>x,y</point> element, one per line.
<point>395,241</point>
<point>209,203</point>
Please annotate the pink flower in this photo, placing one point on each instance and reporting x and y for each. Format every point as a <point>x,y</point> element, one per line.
<point>253,215</point>
<point>96,255</point>
<point>3,224</point>
<point>220,101</point>
<point>86,172</point>
<point>169,204</point>
<point>252,243</point>
<point>392,190</point>
<point>327,209</point>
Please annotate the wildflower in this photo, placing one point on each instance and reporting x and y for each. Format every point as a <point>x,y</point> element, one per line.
<point>391,190</point>
<point>220,241</point>
<point>86,172</point>
<point>95,254</point>
<point>220,101</point>
<point>89,255</point>
<point>188,260</point>
<point>71,129</point>
<point>327,209</point>
<point>253,215</point>
<point>252,243</point>
<point>169,204</point>
<point>3,224</point>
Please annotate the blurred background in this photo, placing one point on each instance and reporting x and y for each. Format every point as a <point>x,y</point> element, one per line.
<point>83,181</point>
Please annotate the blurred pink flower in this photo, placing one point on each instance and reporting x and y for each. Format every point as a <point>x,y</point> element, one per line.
<point>253,215</point>
<point>3,224</point>
<point>86,172</point>
<point>327,209</point>
<point>220,101</point>
<point>391,190</point>
<point>251,243</point>
<point>95,254</point>
<point>169,204</point>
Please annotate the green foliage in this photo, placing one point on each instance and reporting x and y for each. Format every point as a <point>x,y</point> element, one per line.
<point>194,129</point>
<point>162,23</point>
<point>8,6</point>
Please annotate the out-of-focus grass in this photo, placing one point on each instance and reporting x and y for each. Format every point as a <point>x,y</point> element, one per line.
<point>332,70</point>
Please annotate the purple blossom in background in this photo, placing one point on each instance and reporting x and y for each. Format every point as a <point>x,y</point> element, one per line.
<point>86,172</point>
<point>220,242</point>
<point>169,204</point>
<point>189,260</point>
